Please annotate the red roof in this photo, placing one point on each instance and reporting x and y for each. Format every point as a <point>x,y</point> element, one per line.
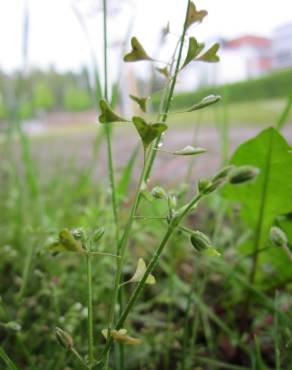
<point>256,41</point>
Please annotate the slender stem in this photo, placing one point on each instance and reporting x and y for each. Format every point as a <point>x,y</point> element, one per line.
<point>287,251</point>
<point>79,358</point>
<point>170,95</point>
<point>276,335</point>
<point>108,127</point>
<point>90,313</point>
<point>152,264</point>
<point>121,252</point>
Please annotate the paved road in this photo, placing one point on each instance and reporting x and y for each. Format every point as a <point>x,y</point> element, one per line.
<point>55,152</point>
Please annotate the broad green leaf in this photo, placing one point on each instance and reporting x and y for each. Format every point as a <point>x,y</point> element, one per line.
<point>194,15</point>
<point>107,114</point>
<point>137,53</point>
<point>148,132</point>
<point>189,150</point>
<point>210,55</point>
<point>193,51</point>
<point>139,273</point>
<point>163,71</point>
<point>208,100</point>
<point>142,102</point>
<point>269,195</point>
<point>121,336</point>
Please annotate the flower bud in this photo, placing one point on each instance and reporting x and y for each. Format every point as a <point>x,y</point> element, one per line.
<point>200,241</point>
<point>172,201</point>
<point>243,174</point>
<point>98,234</point>
<point>79,234</point>
<point>203,185</point>
<point>278,237</point>
<point>64,339</point>
<point>158,193</point>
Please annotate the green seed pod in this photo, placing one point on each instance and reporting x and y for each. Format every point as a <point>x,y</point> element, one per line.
<point>98,234</point>
<point>243,174</point>
<point>200,241</point>
<point>278,237</point>
<point>69,242</point>
<point>158,193</point>
<point>64,339</point>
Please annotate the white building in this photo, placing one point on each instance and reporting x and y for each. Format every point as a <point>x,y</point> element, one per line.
<point>240,59</point>
<point>282,46</point>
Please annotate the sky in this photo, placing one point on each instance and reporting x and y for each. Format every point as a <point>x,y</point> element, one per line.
<point>56,37</point>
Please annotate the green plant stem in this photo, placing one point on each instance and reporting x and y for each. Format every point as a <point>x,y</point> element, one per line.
<point>164,116</point>
<point>276,335</point>
<point>288,252</point>
<point>121,252</point>
<point>90,311</point>
<point>186,324</point>
<point>79,358</point>
<point>108,127</point>
<point>152,264</point>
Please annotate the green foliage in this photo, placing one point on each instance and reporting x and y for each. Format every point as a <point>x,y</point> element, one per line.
<point>208,100</point>
<point>267,197</point>
<point>142,102</point>
<point>274,85</point>
<point>43,97</point>
<point>194,15</point>
<point>137,53</point>
<point>193,51</point>
<point>25,110</point>
<point>77,100</point>
<point>211,295</point>
<point>147,131</point>
<point>210,55</point>
<point>107,114</point>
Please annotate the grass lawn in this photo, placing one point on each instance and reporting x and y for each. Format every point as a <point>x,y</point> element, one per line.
<point>264,112</point>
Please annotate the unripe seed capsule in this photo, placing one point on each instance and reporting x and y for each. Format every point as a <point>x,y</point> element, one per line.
<point>243,174</point>
<point>200,241</point>
<point>158,193</point>
<point>64,339</point>
<point>278,237</point>
<point>98,234</point>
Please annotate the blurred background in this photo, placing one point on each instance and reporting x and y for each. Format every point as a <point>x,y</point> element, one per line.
<point>53,174</point>
<point>52,61</point>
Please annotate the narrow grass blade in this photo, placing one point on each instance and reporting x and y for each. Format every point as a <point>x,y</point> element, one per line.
<point>127,173</point>
<point>220,364</point>
<point>285,113</point>
<point>6,359</point>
